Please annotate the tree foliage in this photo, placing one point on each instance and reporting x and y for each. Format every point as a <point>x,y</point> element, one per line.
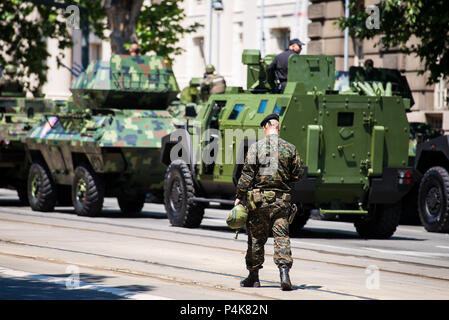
<point>418,27</point>
<point>25,28</point>
<point>159,28</point>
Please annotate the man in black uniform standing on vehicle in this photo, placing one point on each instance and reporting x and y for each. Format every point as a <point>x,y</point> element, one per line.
<point>278,69</point>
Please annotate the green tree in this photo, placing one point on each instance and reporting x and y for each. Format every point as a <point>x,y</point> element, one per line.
<point>401,21</point>
<point>159,28</point>
<point>25,27</point>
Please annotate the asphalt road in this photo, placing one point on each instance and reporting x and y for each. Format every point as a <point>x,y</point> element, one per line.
<point>60,255</point>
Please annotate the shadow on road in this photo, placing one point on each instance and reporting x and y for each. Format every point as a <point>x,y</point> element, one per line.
<point>12,203</point>
<point>323,233</point>
<point>31,288</point>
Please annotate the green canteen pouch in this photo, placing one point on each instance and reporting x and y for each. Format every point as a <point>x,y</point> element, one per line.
<point>250,201</point>
<point>257,196</point>
<point>270,196</point>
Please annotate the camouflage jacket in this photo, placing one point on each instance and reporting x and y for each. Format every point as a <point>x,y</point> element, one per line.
<point>271,163</point>
<point>214,83</point>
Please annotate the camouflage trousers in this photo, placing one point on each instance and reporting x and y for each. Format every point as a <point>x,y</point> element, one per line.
<point>268,217</point>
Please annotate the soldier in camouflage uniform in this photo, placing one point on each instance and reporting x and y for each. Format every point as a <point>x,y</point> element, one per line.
<point>271,165</point>
<point>212,83</point>
<point>134,50</point>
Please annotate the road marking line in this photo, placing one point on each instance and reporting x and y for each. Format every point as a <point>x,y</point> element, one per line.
<point>82,285</point>
<point>410,230</point>
<point>325,245</point>
<point>443,247</point>
<point>411,253</point>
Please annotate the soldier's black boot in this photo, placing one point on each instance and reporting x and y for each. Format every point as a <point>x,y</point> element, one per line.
<point>286,285</point>
<point>252,280</point>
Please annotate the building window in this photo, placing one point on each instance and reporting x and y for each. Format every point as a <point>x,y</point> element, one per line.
<point>282,37</point>
<point>199,46</point>
<point>435,120</point>
<point>197,60</point>
<point>440,95</point>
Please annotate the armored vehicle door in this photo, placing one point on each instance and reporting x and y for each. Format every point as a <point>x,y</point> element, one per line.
<point>231,130</point>
<point>210,137</point>
<point>353,149</point>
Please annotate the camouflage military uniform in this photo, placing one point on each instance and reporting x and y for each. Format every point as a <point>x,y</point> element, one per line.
<point>269,173</point>
<point>212,84</point>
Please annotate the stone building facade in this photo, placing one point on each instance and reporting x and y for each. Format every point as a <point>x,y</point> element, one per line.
<point>326,38</point>
<point>239,26</point>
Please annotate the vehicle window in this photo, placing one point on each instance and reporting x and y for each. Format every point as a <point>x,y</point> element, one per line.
<point>236,111</point>
<point>279,110</point>
<point>262,106</point>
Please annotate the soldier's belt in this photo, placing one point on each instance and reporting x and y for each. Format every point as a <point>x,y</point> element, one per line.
<point>256,196</point>
<point>270,194</point>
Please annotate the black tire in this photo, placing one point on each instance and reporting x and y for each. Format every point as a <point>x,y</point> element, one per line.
<point>41,188</point>
<point>433,200</point>
<point>381,221</point>
<point>178,189</point>
<point>87,192</point>
<point>131,206</point>
<point>300,220</point>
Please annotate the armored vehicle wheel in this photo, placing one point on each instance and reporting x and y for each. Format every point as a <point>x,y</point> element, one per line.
<point>87,192</point>
<point>381,222</point>
<point>433,200</point>
<point>178,189</point>
<point>41,188</point>
<point>131,206</point>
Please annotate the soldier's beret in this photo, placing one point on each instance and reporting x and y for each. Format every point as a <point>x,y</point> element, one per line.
<point>273,116</point>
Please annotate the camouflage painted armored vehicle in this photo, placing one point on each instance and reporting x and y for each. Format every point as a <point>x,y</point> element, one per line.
<point>18,115</point>
<point>109,145</point>
<point>354,147</point>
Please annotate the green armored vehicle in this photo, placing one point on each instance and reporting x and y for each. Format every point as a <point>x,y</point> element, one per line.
<point>109,144</point>
<point>354,147</point>
<point>18,115</point>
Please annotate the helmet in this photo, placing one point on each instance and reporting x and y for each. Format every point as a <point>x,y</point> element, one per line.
<point>210,68</point>
<point>10,69</point>
<point>237,217</point>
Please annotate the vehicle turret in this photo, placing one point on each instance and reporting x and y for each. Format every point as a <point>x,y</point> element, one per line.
<point>107,143</point>
<point>126,82</point>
